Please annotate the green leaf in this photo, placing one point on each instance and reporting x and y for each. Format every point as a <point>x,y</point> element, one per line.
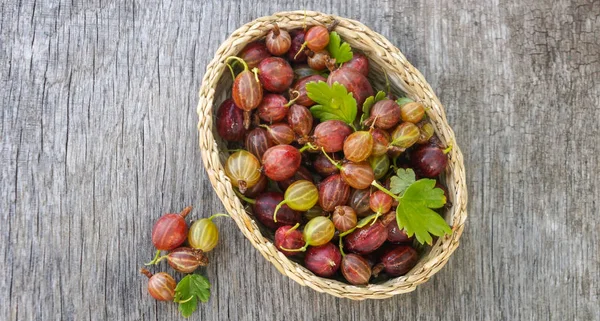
<point>425,192</point>
<point>189,290</point>
<point>414,213</point>
<point>319,92</point>
<point>334,102</point>
<point>369,102</point>
<point>188,307</point>
<point>366,109</point>
<point>402,180</point>
<point>403,100</point>
<point>339,50</point>
<point>321,112</point>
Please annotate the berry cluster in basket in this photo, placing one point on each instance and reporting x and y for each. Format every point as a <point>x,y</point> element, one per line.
<point>346,177</point>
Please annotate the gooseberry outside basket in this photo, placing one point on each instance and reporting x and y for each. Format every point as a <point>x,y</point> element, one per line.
<point>216,87</point>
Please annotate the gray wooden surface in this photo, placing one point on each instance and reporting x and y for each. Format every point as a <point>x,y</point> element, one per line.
<point>98,139</point>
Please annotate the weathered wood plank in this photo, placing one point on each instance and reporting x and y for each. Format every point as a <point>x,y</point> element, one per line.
<point>98,138</point>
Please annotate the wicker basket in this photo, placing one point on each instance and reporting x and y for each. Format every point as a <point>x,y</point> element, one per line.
<point>216,86</point>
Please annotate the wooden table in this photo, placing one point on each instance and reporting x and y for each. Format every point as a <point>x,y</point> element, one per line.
<point>98,139</point>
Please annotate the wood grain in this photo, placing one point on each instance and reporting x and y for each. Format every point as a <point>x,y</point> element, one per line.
<point>98,139</point>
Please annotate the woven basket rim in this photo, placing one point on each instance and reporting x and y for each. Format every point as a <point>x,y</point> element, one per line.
<point>403,76</point>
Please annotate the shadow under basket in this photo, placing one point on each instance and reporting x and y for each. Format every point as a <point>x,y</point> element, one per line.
<point>403,77</point>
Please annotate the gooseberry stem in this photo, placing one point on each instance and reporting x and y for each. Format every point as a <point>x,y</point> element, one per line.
<point>255,71</point>
<point>336,164</point>
<point>238,59</point>
<point>373,123</point>
<point>293,228</point>
<point>231,69</point>
<point>377,215</point>
<point>184,301</point>
<point>300,50</point>
<point>146,272</point>
<point>302,249</point>
<point>332,26</point>
<point>362,223</point>
<point>347,232</point>
<point>447,150</point>
<point>306,147</point>
<point>277,209</point>
<point>276,30</point>
<point>293,100</point>
<point>218,215</point>
<point>185,211</point>
<point>155,259</point>
<point>247,199</point>
<point>242,186</point>
<point>341,246</point>
<point>161,258</point>
<point>385,190</point>
<point>365,221</point>
<point>330,64</point>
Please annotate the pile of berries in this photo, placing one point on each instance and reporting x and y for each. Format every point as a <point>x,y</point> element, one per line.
<point>320,157</point>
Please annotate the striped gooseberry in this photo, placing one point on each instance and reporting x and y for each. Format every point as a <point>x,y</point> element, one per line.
<point>257,142</point>
<point>185,259</point>
<point>359,201</point>
<point>170,230</point>
<point>344,218</point>
<point>330,135</point>
<point>412,112</point>
<point>405,135</point>
<point>323,260</point>
<point>300,119</point>
<point>280,162</point>
<point>318,231</point>
<point>280,133</point>
<point>289,237</point>
<point>278,41</point>
<point>358,146</point>
<point>397,261</point>
<point>381,140</point>
<point>333,191</point>
<point>355,269</point>
<point>385,114</point>
<point>161,286</point>
<point>357,175</point>
<point>254,53</point>
<point>300,196</point>
<point>380,165</point>
<point>247,91</point>
<point>204,234</point>
<point>243,169</point>
<point>426,132</point>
